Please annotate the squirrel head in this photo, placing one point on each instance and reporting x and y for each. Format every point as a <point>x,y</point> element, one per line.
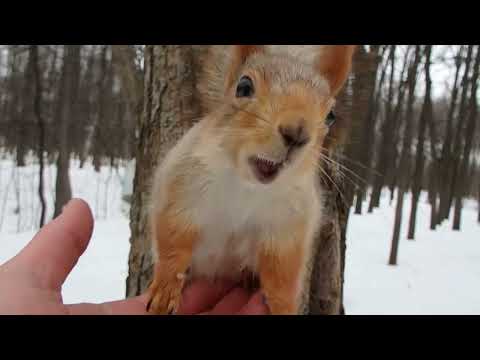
<point>271,111</point>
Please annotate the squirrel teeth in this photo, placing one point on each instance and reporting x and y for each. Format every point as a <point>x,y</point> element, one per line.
<point>266,170</point>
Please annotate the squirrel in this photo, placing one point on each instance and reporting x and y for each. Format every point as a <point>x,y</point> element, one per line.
<point>240,191</point>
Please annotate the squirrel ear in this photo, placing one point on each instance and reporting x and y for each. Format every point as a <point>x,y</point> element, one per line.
<point>334,63</point>
<point>242,52</point>
<point>239,55</point>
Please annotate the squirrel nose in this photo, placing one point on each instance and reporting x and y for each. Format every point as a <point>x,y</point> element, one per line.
<point>294,136</point>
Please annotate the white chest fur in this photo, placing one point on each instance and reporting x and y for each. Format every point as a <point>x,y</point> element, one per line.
<point>233,216</point>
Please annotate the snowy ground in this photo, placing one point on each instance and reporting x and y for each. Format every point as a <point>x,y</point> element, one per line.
<point>439,273</point>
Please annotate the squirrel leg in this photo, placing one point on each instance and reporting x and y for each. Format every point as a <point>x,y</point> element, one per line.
<point>175,247</point>
<point>280,271</point>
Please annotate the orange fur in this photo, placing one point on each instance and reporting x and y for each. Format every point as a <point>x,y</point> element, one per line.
<point>297,105</point>
<point>280,271</point>
<point>175,243</point>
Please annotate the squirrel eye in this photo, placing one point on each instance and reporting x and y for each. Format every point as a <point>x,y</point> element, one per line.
<point>245,87</point>
<point>331,119</point>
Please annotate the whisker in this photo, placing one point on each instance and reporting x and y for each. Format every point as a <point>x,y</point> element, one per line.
<point>332,161</point>
<point>345,177</point>
<point>334,184</point>
<point>359,164</point>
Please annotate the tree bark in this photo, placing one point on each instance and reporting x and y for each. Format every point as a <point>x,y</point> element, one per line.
<point>457,145</point>
<point>384,146</point>
<point>392,152</point>
<point>24,119</point>
<point>433,175</point>
<point>404,167</point>
<point>41,128</point>
<point>467,149</point>
<point>447,144</point>
<point>123,57</point>
<point>170,103</point>
<point>69,88</point>
<point>98,135</point>
<point>420,157</point>
<point>327,269</point>
<point>365,67</point>
<point>478,202</point>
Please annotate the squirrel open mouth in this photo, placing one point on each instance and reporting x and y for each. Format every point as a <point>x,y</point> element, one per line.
<point>265,170</point>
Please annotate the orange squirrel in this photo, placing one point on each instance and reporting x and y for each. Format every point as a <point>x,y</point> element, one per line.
<point>240,191</point>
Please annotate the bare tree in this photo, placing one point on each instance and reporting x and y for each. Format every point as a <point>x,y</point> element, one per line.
<point>467,149</point>
<point>41,128</point>
<point>404,167</point>
<point>478,202</point>
<point>391,150</point>
<point>67,104</point>
<point>457,144</point>
<point>368,127</point>
<point>420,157</point>
<point>24,115</point>
<point>447,144</point>
<point>387,135</point>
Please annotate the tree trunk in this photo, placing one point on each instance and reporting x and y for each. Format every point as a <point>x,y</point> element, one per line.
<point>420,157</point>
<point>69,87</point>
<point>457,145</point>
<point>478,202</point>
<point>170,104</point>
<point>392,152</point>
<point>467,149</point>
<point>358,152</point>
<point>433,193</point>
<point>328,266</point>
<point>24,119</point>
<point>384,146</point>
<point>404,167</point>
<point>433,175</point>
<point>98,135</point>
<point>447,144</point>
<point>41,128</point>
<point>13,103</point>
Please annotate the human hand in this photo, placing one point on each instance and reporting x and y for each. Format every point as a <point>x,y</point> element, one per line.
<point>31,282</point>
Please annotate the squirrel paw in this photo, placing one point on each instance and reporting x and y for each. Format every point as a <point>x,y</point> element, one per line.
<point>165,296</point>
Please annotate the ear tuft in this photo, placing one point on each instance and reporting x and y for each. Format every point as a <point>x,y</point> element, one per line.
<point>334,63</point>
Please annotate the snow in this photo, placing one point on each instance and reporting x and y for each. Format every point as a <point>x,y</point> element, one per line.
<point>436,274</point>
<point>101,272</point>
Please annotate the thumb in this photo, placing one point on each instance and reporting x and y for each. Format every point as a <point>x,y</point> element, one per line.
<point>55,250</point>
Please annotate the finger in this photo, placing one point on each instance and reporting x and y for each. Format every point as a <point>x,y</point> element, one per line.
<point>133,306</point>
<point>55,250</point>
<point>256,306</point>
<point>202,296</point>
<point>232,303</point>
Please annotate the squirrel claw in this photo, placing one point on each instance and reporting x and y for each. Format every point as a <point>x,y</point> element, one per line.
<point>165,297</point>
